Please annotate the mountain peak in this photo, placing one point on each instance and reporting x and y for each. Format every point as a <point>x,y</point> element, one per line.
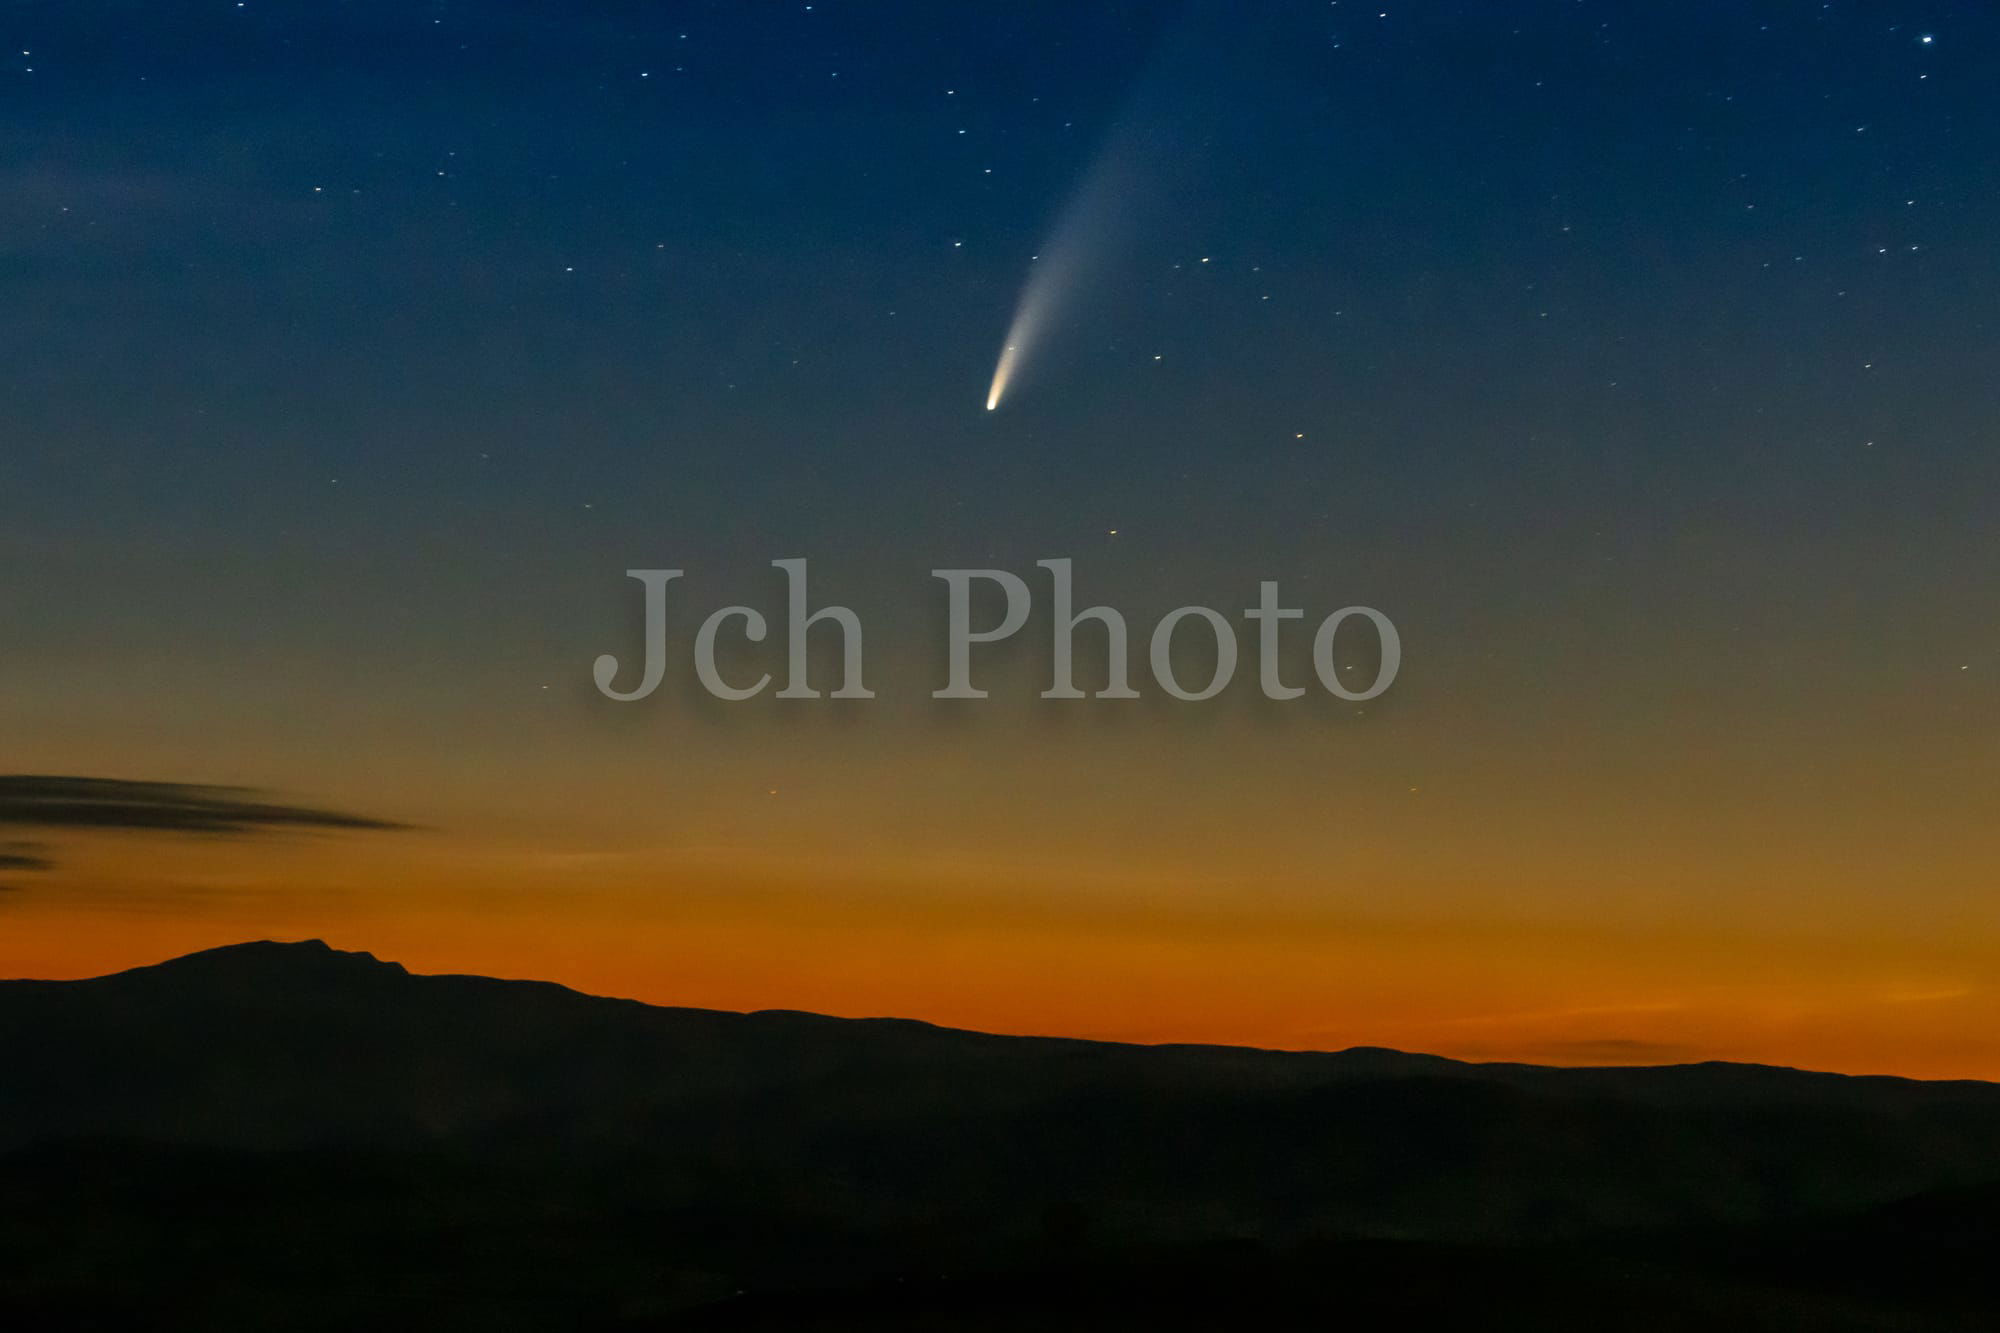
<point>263,958</point>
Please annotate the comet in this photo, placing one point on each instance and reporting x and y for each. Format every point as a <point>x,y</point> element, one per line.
<point>1085,230</point>
<point>1119,195</point>
<point>1002,373</point>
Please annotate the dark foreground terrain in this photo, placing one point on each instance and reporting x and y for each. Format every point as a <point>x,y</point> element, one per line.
<point>284,1136</point>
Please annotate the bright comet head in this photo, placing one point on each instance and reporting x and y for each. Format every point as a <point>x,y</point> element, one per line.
<point>1001,374</point>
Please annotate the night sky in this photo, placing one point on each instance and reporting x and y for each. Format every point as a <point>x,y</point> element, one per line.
<point>1637,361</point>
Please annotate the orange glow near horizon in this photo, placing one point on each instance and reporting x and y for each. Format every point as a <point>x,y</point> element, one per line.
<point>1648,872</point>
<point>1199,966</point>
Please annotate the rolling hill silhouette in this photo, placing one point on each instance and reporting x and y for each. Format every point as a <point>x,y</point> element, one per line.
<point>285,1135</point>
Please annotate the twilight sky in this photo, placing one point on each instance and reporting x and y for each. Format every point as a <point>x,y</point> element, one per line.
<point>1637,361</point>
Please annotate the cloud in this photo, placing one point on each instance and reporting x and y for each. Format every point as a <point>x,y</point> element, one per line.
<point>1579,1051</point>
<point>71,803</point>
<point>1614,1050</point>
<point>23,856</point>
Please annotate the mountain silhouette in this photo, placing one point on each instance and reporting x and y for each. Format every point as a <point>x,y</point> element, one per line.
<point>254,1123</point>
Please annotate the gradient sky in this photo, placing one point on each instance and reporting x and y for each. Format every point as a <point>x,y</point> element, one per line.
<point>1638,361</point>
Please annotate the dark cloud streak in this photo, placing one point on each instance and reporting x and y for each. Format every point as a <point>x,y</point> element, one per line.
<point>23,856</point>
<point>114,804</point>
